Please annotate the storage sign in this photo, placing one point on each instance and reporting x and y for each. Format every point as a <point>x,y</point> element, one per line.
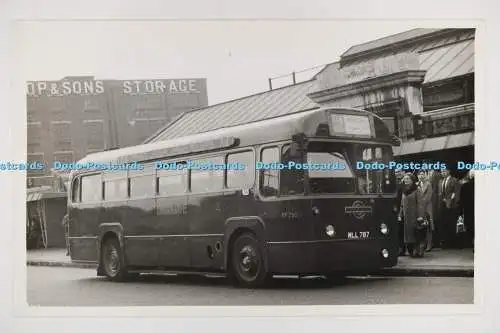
<point>128,87</point>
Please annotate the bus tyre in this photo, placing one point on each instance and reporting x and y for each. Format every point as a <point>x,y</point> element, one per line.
<point>248,268</point>
<point>112,260</point>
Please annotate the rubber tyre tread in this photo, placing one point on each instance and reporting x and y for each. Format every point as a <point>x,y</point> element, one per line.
<point>263,277</point>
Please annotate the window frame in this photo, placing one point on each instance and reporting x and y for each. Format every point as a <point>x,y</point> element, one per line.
<point>76,181</point>
<point>160,174</point>
<point>278,147</point>
<point>252,171</point>
<point>210,172</point>
<point>101,198</point>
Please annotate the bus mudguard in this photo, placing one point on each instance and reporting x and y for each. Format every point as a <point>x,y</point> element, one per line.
<point>236,225</point>
<point>114,228</point>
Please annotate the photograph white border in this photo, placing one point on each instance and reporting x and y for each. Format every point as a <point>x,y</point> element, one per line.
<point>486,140</point>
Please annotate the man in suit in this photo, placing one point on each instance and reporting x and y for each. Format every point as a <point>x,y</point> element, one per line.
<point>396,209</point>
<point>434,180</point>
<point>449,189</point>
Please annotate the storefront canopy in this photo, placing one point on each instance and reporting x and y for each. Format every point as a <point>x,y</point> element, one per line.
<point>43,194</point>
<point>433,144</point>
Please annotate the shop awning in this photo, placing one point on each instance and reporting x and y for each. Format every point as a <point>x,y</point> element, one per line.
<point>36,196</point>
<point>434,144</point>
<point>448,61</point>
<point>33,197</point>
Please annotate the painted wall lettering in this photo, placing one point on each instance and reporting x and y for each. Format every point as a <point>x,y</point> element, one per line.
<point>64,88</point>
<point>180,86</point>
<point>129,87</point>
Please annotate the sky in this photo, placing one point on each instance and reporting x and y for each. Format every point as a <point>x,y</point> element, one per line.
<point>236,57</point>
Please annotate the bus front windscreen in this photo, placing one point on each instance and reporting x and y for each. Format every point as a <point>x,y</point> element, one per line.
<point>334,168</point>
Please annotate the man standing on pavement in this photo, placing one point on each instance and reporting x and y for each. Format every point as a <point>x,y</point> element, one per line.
<point>397,207</point>
<point>435,180</point>
<point>65,223</point>
<point>448,197</point>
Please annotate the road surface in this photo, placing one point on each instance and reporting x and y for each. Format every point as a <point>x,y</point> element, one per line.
<point>62,286</point>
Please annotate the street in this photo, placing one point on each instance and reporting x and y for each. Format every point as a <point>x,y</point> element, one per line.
<point>62,286</point>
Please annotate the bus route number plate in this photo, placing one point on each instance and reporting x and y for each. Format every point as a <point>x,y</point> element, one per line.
<point>358,235</point>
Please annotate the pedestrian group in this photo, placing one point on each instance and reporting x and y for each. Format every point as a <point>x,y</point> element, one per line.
<point>434,210</point>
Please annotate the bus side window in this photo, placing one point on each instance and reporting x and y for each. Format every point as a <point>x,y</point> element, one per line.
<point>240,179</point>
<point>269,177</point>
<point>208,180</point>
<point>143,181</point>
<point>142,186</point>
<point>173,181</point>
<point>75,195</point>
<point>115,185</point>
<point>91,188</point>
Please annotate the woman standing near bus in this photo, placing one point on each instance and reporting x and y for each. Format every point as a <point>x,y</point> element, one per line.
<point>410,211</point>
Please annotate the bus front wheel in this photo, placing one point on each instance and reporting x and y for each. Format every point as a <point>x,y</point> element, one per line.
<point>112,260</point>
<point>247,262</point>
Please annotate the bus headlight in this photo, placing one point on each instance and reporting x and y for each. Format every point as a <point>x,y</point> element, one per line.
<point>385,253</point>
<point>384,229</point>
<point>330,230</point>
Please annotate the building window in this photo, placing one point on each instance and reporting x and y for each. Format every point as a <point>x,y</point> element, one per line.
<point>90,104</point>
<point>62,144</point>
<point>59,115</point>
<point>209,180</point>
<point>95,135</point>
<point>36,157</point>
<point>34,147</point>
<point>57,102</point>
<point>34,133</point>
<point>64,157</point>
<point>172,181</point>
<point>450,93</point>
<point>269,179</point>
<point>91,188</point>
<point>61,130</point>
<point>241,179</point>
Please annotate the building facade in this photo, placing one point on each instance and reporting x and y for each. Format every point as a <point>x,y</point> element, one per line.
<point>75,116</point>
<point>421,82</point>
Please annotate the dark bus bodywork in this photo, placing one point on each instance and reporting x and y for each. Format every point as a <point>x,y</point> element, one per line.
<point>289,221</point>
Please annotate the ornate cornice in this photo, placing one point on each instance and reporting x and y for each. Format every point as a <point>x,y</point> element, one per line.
<point>377,83</point>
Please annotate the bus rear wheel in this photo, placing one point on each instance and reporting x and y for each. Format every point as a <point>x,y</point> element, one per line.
<point>112,260</point>
<point>248,268</point>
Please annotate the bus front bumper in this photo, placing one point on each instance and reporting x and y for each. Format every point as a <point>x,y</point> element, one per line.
<point>322,257</point>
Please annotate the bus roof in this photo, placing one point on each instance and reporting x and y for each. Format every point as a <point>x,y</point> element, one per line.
<point>258,132</point>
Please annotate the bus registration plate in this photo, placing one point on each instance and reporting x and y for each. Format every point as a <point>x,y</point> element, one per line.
<point>358,235</point>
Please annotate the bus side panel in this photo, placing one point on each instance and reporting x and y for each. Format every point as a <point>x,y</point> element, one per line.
<point>142,239</point>
<point>206,223</point>
<point>173,223</point>
<point>83,239</point>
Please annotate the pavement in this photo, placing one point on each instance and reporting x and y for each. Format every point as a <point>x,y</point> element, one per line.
<point>438,262</point>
